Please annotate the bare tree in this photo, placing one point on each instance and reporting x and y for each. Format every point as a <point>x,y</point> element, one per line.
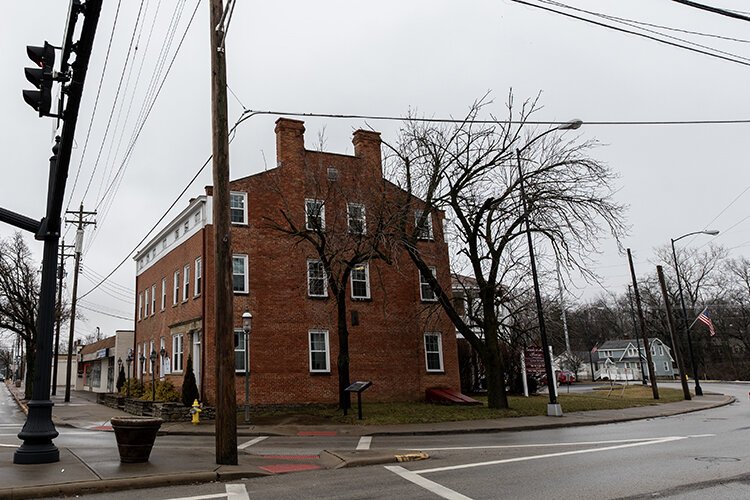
<point>469,169</point>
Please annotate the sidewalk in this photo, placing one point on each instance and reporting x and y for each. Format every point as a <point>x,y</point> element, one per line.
<point>86,470</point>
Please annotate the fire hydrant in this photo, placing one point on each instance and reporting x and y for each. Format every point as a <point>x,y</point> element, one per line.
<point>195,411</point>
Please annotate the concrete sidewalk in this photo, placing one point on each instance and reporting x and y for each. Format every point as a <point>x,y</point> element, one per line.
<point>86,470</point>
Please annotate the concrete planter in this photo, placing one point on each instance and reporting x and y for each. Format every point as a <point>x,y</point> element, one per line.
<point>135,437</point>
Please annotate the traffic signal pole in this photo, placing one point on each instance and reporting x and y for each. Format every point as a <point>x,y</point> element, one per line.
<point>39,431</point>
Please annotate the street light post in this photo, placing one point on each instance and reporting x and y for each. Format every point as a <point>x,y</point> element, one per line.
<point>153,375</point>
<point>553,408</point>
<point>247,327</point>
<point>119,369</point>
<point>694,366</point>
<point>128,360</point>
<point>143,366</point>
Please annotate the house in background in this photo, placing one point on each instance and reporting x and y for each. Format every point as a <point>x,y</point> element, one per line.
<point>620,360</point>
<point>399,338</point>
<point>97,363</point>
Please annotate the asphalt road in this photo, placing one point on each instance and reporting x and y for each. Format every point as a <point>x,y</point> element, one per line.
<point>698,455</point>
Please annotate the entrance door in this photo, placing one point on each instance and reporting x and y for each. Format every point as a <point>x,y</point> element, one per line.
<point>197,359</point>
<point>111,376</point>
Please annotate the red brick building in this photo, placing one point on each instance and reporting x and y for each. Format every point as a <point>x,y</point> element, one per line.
<point>398,337</point>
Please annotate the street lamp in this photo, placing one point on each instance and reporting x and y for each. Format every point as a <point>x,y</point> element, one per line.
<point>128,360</point>
<point>153,376</point>
<point>710,232</point>
<point>142,359</point>
<point>247,327</point>
<point>163,353</point>
<point>553,408</point>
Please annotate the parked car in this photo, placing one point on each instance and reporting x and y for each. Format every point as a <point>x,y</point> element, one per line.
<point>2,377</point>
<point>566,377</point>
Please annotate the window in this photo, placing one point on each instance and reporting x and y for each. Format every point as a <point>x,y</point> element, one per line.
<point>177,234</point>
<point>423,227</point>
<point>145,305</point>
<point>433,352</point>
<point>186,282</point>
<point>153,299</point>
<point>197,218</point>
<point>239,274</point>
<point>315,215</point>
<point>140,305</point>
<point>627,365</point>
<point>164,361</point>
<point>198,270</point>
<point>177,352</point>
<point>164,244</point>
<point>163,293</point>
<point>356,218</point>
<point>425,290</point>
<point>666,366</point>
<point>238,208</point>
<point>176,290</point>
<point>148,357</point>
<point>319,356</point>
<point>661,350</point>
<point>360,278</point>
<point>240,357</point>
<point>316,279</point>
<point>631,351</point>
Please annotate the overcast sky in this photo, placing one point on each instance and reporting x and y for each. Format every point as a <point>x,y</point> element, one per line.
<point>381,58</point>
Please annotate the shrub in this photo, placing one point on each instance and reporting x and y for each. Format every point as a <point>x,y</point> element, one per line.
<point>189,386</point>
<point>120,379</point>
<point>136,388</point>
<point>166,391</point>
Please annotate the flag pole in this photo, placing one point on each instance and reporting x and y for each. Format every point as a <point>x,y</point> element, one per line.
<point>696,318</point>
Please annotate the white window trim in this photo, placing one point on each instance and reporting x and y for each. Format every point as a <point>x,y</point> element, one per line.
<point>367,283</point>
<point>145,304</point>
<point>140,305</point>
<point>178,355</point>
<point>153,299</point>
<point>163,293</point>
<point>241,346</point>
<point>176,288</point>
<point>244,207</point>
<point>440,353</point>
<point>430,234</point>
<point>198,271</point>
<point>421,295</point>
<point>325,279</point>
<point>349,219</point>
<point>246,284</point>
<point>327,369</point>
<point>148,357</point>
<point>186,283</point>
<point>322,214</point>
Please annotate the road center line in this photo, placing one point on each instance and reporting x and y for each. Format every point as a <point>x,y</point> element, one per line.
<point>550,455</point>
<point>430,486</point>
<point>364,443</point>
<point>252,442</point>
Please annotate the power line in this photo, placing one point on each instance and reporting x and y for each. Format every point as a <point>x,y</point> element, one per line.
<point>630,32</point>
<point>715,10</point>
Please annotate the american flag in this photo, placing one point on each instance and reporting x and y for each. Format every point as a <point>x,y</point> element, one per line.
<point>705,318</point>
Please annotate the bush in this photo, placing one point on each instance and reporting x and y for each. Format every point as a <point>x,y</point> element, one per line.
<point>166,391</point>
<point>189,386</point>
<point>120,379</point>
<point>136,388</point>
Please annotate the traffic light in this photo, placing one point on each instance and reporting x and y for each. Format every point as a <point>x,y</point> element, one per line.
<point>41,78</point>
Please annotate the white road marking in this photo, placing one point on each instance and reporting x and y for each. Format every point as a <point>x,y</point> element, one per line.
<point>364,443</point>
<point>543,445</point>
<point>252,442</point>
<point>237,491</point>
<point>431,486</point>
<point>551,455</point>
<point>701,435</point>
<point>9,445</point>
<point>234,491</point>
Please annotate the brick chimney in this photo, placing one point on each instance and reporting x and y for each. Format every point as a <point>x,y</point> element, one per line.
<point>290,141</point>
<point>367,148</point>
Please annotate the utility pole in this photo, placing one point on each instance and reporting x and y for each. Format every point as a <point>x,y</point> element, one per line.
<point>642,320</point>
<point>635,331</point>
<point>60,276</point>
<point>226,399</point>
<point>675,348</point>
<point>81,222</point>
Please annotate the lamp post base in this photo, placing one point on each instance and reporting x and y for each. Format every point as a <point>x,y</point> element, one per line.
<point>698,390</point>
<point>37,435</point>
<point>554,410</point>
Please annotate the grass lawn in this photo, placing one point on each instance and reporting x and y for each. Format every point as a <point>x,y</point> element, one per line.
<point>412,413</point>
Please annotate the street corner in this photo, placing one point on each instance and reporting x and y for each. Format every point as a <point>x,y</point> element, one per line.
<point>339,459</point>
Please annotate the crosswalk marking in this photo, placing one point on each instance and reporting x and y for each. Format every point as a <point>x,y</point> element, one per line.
<point>252,442</point>
<point>364,443</point>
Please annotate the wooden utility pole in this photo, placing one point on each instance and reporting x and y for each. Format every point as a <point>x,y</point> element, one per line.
<point>226,399</point>
<point>675,347</point>
<point>642,320</point>
<point>60,276</point>
<point>81,222</point>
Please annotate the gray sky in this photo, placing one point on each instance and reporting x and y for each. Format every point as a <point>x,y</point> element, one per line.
<point>348,57</point>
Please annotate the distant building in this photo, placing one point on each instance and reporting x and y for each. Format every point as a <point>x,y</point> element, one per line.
<point>97,363</point>
<point>399,337</point>
<point>620,360</point>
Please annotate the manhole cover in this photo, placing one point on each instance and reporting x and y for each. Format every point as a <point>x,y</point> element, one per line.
<point>717,459</point>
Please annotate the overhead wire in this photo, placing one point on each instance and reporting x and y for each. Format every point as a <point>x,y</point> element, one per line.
<point>715,10</point>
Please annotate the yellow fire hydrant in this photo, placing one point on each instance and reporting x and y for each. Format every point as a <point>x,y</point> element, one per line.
<point>195,411</point>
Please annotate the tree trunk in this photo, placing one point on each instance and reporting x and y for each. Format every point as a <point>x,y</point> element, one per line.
<point>343,359</point>
<point>493,367</point>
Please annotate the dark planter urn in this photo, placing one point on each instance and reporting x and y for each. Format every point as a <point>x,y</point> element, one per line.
<point>135,437</point>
